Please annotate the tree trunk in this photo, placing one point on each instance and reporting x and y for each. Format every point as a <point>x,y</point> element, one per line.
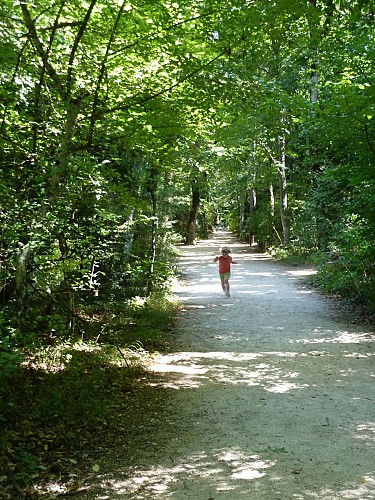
<point>152,186</point>
<point>242,208</point>
<point>284,211</point>
<point>272,203</point>
<point>253,193</point>
<point>192,222</point>
<point>253,205</point>
<point>154,226</point>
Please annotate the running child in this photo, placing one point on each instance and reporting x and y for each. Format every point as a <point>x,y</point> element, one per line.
<point>225,261</point>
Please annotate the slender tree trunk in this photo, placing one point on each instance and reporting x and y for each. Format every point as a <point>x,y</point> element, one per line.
<point>23,259</point>
<point>128,238</point>
<point>252,193</point>
<point>242,208</point>
<point>78,38</point>
<point>193,215</point>
<point>272,205</point>
<point>152,189</point>
<point>314,78</point>
<point>252,208</point>
<point>38,90</point>
<point>272,201</point>
<point>154,227</point>
<point>284,211</point>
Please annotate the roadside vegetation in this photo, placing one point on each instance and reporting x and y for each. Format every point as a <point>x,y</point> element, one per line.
<point>62,395</point>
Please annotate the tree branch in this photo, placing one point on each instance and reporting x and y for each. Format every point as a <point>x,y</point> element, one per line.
<point>11,141</point>
<point>368,140</point>
<point>77,40</point>
<point>62,25</point>
<point>39,47</point>
<point>101,74</point>
<point>119,51</point>
<point>163,91</point>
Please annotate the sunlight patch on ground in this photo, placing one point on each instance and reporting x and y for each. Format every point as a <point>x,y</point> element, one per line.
<point>192,369</point>
<point>256,292</point>
<point>202,288</point>
<point>302,272</point>
<point>338,337</point>
<point>364,490</point>
<point>158,481</point>
<point>261,274</point>
<point>356,355</point>
<point>284,387</point>
<point>366,432</point>
<point>242,467</point>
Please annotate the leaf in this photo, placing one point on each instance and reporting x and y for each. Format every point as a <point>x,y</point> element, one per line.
<point>96,468</point>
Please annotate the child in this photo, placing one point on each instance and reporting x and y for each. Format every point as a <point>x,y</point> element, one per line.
<point>225,260</point>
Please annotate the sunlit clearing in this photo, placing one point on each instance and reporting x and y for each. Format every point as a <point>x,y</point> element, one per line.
<point>56,359</point>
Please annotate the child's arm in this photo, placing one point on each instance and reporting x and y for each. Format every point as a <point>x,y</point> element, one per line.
<point>234,262</point>
<point>215,259</point>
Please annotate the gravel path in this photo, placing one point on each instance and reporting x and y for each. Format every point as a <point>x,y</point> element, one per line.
<point>271,394</point>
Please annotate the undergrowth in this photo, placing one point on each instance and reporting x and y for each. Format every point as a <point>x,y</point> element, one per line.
<point>291,255</point>
<point>341,274</point>
<point>57,398</point>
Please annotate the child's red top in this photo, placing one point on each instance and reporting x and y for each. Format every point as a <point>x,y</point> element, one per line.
<point>224,264</point>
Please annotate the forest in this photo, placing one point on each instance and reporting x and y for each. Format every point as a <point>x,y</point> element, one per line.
<point>130,127</point>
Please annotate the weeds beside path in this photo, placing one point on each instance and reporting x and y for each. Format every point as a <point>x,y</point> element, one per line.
<point>267,395</point>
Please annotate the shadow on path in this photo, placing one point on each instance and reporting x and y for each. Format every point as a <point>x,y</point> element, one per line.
<point>271,397</point>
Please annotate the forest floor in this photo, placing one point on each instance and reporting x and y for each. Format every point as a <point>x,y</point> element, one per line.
<point>266,395</point>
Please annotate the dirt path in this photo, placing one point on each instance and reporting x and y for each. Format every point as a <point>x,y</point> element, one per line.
<point>272,396</point>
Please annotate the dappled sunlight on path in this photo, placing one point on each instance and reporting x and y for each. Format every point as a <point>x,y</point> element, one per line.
<point>270,395</point>
<point>212,466</point>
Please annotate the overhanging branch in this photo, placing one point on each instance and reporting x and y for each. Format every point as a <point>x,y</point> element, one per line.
<point>39,47</point>
<point>163,91</point>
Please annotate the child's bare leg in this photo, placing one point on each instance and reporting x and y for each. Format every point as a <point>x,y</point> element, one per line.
<point>226,287</point>
<point>222,282</point>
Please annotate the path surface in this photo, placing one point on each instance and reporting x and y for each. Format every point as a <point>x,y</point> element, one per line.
<point>272,396</point>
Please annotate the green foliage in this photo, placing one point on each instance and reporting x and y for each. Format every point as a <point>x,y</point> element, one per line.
<point>10,365</point>
<point>292,255</point>
<point>347,268</point>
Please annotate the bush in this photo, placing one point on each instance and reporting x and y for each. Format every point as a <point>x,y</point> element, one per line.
<point>348,267</point>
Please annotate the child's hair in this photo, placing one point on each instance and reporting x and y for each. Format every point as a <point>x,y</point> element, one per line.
<point>225,249</point>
